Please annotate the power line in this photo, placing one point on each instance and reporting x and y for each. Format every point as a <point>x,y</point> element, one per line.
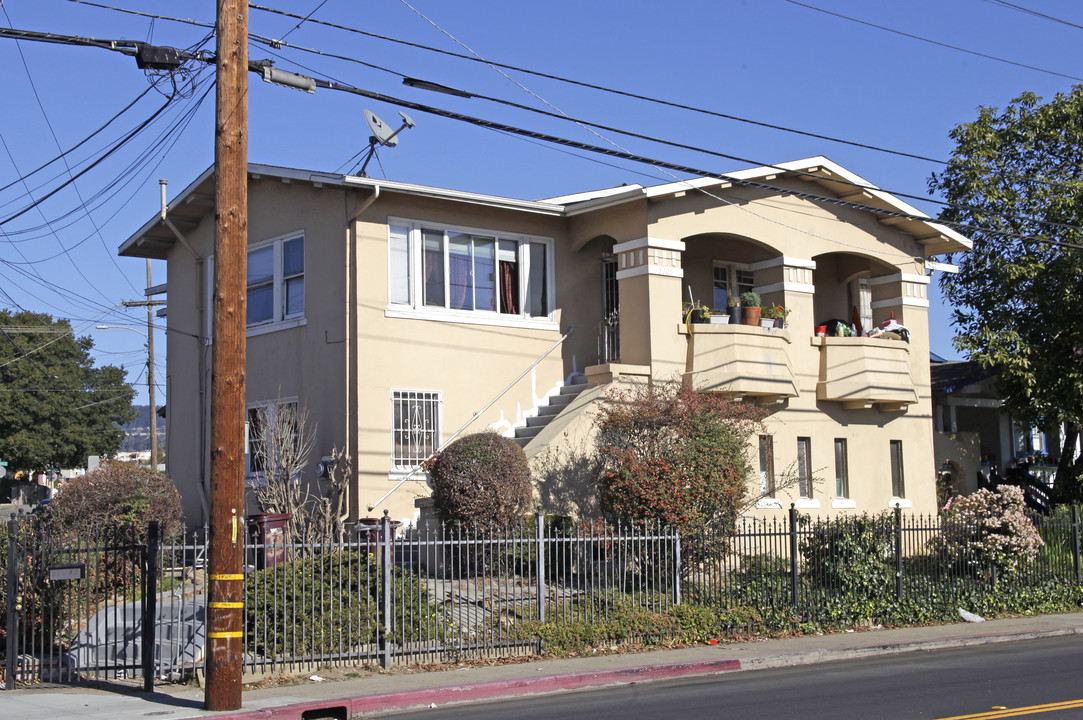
<point>273,43</point>
<point>580,83</point>
<point>334,85</point>
<point>75,186</point>
<point>677,167</point>
<point>935,42</point>
<point>1035,13</point>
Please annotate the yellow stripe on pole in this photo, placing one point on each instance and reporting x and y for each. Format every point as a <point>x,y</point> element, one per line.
<point>215,635</point>
<point>228,576</point>
<point>227,605</point>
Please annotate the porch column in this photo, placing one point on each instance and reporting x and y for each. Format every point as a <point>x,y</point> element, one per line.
<point>788,281</point>
<point>906,295</point>
<point>650,275</point>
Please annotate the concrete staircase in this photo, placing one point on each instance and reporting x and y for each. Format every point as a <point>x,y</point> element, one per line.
<point>557,402</point>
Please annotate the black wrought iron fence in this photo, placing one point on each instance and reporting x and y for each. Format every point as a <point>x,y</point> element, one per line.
<point>381,596</point>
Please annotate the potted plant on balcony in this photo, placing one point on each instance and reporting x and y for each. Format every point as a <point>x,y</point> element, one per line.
<point>733,307</point>
<point>750,308</point>
<point>719,317</point>
<point>696,313</point>
<point>777,314</point>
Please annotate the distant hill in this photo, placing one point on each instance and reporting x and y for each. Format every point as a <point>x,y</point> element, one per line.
<point>137,432</point>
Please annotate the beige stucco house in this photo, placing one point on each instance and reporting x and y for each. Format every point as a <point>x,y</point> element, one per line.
<point>397,314</point>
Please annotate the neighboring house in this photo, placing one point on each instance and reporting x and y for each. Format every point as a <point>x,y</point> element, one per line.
<point>977,442</point>
<point>394,312</point>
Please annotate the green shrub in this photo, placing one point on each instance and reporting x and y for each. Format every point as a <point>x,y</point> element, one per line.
<point>849,566</point>
<point>331,603</point>
<point>117,496</point>
<point>750,299</point>
<point>481,480</point>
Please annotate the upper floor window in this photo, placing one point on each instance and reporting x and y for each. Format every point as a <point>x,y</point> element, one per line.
<point>472,271</point>
<point>276,281</point>
<point>730,279</point>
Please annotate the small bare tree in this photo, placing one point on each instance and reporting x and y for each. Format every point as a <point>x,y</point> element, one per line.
<point>281,443</point>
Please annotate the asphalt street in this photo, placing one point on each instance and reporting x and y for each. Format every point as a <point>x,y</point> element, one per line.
<point>989,681</point>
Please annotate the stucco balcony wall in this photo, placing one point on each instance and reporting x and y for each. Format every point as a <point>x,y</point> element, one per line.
<point>865,371</point>
<point>746,361</point>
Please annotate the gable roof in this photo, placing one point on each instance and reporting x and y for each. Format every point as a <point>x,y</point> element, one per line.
<point>157,236</point>
<point>834,181</point>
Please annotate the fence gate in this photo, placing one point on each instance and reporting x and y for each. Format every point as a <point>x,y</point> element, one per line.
<point>75,606</point>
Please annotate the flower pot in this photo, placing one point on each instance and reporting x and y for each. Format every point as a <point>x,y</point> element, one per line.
<point>767,323</point>
<point>821,331</point>
<point>750,316</point>
<point>720,319</point>
<point>699,316</point>
<point>735,314</point>
<point>780,323</point>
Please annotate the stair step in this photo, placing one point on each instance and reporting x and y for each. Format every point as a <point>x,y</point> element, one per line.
<point>527,432</point>
<point>562,400</point>
<point>539,420</point>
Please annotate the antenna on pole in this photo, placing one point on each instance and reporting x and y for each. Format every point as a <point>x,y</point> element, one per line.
<point>382,134</point>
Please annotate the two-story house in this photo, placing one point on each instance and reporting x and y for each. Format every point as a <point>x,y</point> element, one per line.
<point>397,314</point>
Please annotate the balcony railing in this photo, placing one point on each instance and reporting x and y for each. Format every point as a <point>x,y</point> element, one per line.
<point>865,372</point>
<point>745,361</point>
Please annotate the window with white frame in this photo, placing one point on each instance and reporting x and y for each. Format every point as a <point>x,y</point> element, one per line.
<point>842,470</point>
<point>276,281</point>
<point>461,270</point>
<point>898,482</point>
<point>860,297</point>
<point>767,466</point>
<point>729,278</point>
<point>270,428</point>
<point>804,467</point>
<point>415,429</point>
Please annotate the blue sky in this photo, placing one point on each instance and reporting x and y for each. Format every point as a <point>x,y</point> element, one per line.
<point>771,61</point>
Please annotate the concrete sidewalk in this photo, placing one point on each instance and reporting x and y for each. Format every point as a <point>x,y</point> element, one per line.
<point>403,689</point>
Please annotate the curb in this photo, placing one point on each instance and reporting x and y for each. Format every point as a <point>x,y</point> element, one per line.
<point>415,699</point>
<point>349,707</point>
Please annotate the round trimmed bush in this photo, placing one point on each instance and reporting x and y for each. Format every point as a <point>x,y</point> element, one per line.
<point>118,496</point>
<point>481,479</point>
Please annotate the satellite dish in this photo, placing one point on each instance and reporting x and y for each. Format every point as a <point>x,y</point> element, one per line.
<point>382,134</point>
<point>380,131</point>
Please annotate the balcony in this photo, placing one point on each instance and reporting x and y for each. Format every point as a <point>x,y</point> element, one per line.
<point>865,372</point>
<point>746,362</point>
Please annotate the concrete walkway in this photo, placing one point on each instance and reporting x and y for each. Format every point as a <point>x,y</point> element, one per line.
<point>403,689</point>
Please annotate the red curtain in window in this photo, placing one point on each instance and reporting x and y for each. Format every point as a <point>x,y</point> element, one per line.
<point>509,287</point>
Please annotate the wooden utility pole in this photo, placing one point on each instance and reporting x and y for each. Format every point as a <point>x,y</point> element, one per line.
<point>227,529</point>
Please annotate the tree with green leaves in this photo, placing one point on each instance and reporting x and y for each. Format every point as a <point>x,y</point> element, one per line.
<point>56,408</point>
<point>1018,175</point>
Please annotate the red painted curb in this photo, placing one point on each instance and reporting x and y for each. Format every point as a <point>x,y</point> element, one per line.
<point>486,690</point>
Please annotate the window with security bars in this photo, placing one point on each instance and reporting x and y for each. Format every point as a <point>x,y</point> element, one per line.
<point>416,427</point>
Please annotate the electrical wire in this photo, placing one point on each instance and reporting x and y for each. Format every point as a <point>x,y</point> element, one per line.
<point>936,42</point>
<point>75,186</point>
<point>516,68</point>
<point>1035,13</point>
<point>677,167</point>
